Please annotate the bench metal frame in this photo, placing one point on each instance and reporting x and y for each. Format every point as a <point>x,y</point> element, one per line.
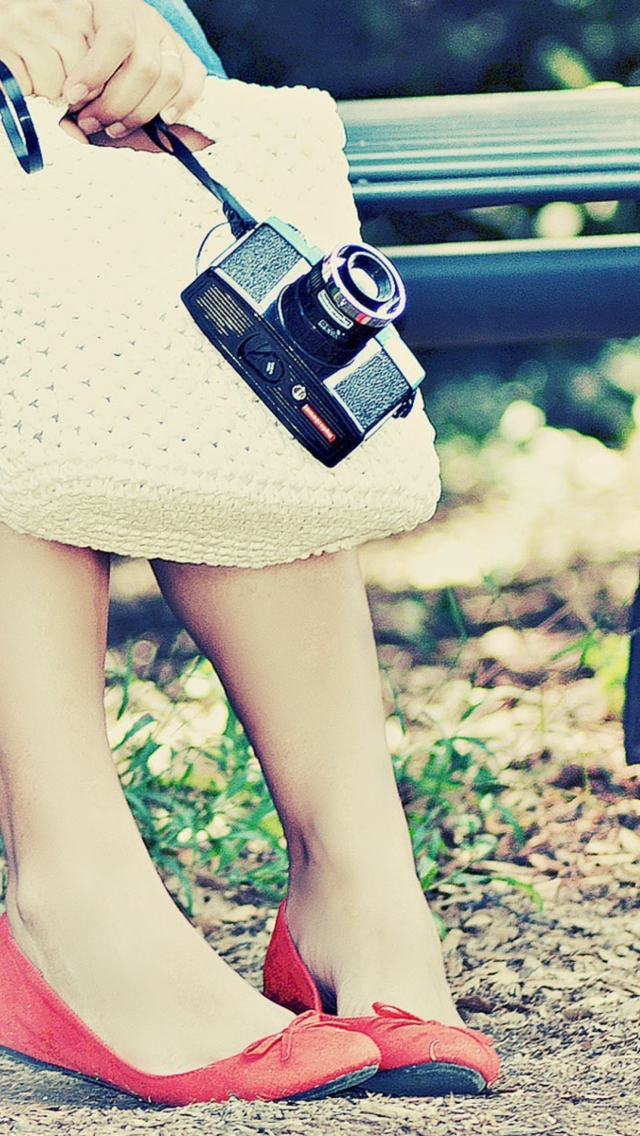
<point>470,151</point>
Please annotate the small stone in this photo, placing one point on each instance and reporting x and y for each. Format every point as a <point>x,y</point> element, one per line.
<point>630,1010</point>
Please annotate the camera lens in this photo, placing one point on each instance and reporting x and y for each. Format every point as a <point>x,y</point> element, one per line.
<point>367,279</point>
<point>343,301</point>
<point>363,283</point>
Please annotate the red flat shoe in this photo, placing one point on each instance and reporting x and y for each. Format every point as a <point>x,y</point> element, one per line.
<point>307,1060</point>
<point>417,1057</point>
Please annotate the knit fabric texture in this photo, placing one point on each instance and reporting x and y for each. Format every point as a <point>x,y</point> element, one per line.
<point>121,427</point>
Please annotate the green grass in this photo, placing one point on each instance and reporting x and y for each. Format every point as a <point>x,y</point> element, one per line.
<point>198,795</point>
<point>196,805</point>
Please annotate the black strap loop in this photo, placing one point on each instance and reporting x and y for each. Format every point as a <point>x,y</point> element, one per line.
<point>239,219</point>
<point>18,123</point>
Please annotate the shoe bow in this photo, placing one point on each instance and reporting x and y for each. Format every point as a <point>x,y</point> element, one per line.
<point>285,1038</point>
<point>399,1017</point>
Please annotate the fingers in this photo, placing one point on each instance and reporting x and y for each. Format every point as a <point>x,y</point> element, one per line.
<point>113,42</point>
<point>117,62</point>
<point>178,86</point>
<point>139,89</point>
<point>71,50</point>
<point>40,40</point>
<point>49,63</point>
<point>16,65</point>
<point>39,70</point>
<point>57,39</point>
<point>194,74</point>
<point>169,82</point>
<point>46,71</point>
<point>133,71</point>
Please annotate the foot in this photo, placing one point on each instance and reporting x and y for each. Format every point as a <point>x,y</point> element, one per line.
<point>124,959</point>
<point>370,940</point>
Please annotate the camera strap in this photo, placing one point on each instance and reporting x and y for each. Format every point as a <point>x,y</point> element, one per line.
<point>18,123</point>
<point>239,218</point>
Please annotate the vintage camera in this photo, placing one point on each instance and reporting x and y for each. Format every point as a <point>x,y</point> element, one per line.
<point>311,334</point>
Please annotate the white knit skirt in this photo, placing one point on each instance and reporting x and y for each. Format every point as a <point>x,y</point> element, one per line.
<point>121,428</point>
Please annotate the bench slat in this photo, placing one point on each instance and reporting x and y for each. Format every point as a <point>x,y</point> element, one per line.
<point>471,193</point>
<point>457,151</point>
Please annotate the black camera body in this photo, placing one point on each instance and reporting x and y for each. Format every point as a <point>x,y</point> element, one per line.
<point>310,333</point>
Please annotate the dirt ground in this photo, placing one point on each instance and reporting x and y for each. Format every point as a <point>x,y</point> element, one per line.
<point>559,989</point>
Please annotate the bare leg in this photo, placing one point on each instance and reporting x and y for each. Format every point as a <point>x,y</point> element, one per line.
<point>294,647</point>
<point>84,901</point>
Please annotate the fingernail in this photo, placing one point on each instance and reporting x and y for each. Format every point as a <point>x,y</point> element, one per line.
<point>76,94</point>
<point>169,115</point>
<point>90,125</point>
<point>116,130</point>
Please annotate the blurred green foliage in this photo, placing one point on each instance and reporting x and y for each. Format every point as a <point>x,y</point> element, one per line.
<point>608,657</point>
<point>576,385</point>
<point>419,47</point>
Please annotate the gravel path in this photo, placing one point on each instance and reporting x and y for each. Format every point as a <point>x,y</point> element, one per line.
<point>559,990</point>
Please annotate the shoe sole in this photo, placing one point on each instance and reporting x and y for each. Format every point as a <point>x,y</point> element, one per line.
<point>337,1085</point>
<point>434,1079</point>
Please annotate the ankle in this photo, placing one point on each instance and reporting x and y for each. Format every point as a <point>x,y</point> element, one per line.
<point>376,943</point>
<point>376,902</point>
<point>353,870</point>
<point>57,901</point>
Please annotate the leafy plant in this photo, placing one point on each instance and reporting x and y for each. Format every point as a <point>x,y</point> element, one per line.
<point>450,793</point>
<point>608,657</point>
<point>206,804</point>
<point>196,806</point>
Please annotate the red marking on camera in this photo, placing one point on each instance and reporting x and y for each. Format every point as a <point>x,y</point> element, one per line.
<point>318,422</point>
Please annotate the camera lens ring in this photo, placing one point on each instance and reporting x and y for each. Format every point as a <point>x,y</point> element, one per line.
<point>369,280</point>
<point>342,271</point>
<point>342,302</point>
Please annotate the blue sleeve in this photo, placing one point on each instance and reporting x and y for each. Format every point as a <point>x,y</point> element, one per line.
<point>184,22</point>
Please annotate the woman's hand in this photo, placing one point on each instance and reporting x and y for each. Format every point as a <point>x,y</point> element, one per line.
<point>43,40</point>
<point>118,63</point>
